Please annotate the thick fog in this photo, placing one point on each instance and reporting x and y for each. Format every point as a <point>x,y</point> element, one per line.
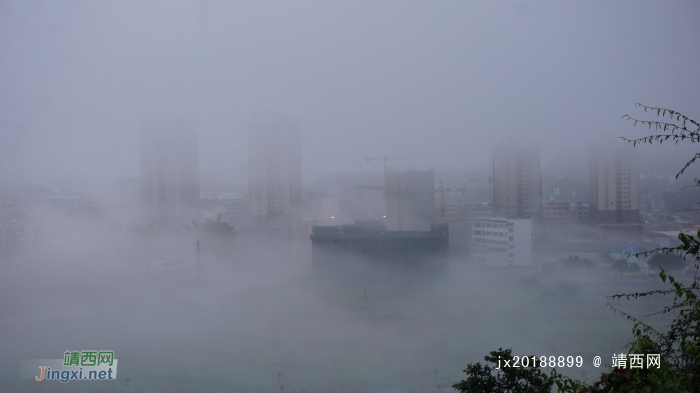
<point>430,85</point>
<point>365,78</point>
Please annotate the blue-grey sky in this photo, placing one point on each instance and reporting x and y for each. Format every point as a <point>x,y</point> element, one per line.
<point>366,78</point>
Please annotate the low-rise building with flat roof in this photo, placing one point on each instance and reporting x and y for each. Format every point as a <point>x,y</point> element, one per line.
<point>369,243</point>
<point>502,241</point>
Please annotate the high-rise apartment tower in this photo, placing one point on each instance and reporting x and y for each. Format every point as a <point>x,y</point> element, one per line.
<point>516,181</point>
<point>410,199</point>
<point>170,171</point>
<point>274,154</point>
<point>613,193</point>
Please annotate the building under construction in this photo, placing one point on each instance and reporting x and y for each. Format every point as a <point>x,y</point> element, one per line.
<point>410,199</point>
<point>368,243</point>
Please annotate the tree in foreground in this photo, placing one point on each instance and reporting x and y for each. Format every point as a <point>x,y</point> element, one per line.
<point>525,378</point>
<point>678,347</point>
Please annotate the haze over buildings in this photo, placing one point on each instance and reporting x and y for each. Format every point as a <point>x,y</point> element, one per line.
<point>502,242</point>
<point>188,244</point>
<point>517,185</point>
<point>410,199</point>
<point>169,171</point>
<point>274,155</point>
<point>614,185</point>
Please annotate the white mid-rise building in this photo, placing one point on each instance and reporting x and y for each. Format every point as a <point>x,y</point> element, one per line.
<point>502,241</point>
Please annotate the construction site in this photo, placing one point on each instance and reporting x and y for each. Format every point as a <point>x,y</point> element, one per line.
<point>347,248</point>
<point>406,236</point>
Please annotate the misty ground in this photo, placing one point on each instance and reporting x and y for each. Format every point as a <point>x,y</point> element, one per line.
<point>260,310</point>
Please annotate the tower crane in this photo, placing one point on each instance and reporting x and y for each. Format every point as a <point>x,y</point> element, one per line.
<point>442,190</point>
<point>401,190</point>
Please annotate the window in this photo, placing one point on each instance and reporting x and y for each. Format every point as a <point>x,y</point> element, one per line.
<point>510,255</point>
<point>510,238</point>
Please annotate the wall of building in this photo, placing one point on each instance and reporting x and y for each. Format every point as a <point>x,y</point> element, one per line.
<point>502,241</point>
<point>368,243</point>
<point>556,210</point>
<point>417,188</point>
<point>516,181</point>
<point>613,184</point>
<point>274,154</point>
<point>170,170</point>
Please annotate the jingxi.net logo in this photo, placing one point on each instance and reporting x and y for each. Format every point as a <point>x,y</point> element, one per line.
<point>75,366</point>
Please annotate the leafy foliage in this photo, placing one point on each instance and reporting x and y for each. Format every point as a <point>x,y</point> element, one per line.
<point>680,128</point>
<point>656,380</point>
<point>530,379</point>
<point>679,346</point>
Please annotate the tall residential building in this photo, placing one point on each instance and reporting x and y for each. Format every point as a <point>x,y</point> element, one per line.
<point>410,199</point>
<point>613,175</point>
<point>516,181</point>
<point>170,171</point>
<point>274,154</point>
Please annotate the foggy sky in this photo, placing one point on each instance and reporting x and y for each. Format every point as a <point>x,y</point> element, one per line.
<point>365,78</point>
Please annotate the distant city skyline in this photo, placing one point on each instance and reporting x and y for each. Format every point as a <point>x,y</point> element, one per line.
<point>372,80</point>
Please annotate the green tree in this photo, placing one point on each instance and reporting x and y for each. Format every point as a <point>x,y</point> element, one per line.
<point>679,128</point>
<point>510,379</point>
<point>679,345</point>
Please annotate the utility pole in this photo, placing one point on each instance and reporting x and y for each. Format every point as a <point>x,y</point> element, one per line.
<point>438,381</point>
<point>128,387</point>
<point>199,249</point>
<point>279,381</point>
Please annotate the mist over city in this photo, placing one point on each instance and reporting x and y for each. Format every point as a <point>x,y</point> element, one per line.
<point>348,196</point>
